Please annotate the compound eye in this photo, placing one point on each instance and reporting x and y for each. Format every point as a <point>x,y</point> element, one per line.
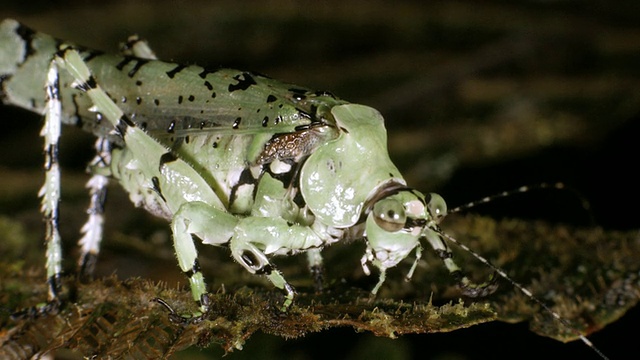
<point>436,206</point>
<point>389,215</point>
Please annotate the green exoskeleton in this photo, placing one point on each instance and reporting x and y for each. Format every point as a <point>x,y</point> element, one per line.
<point>229,157</point>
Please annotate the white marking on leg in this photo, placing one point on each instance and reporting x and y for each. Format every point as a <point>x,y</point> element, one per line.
<point>50,191</point>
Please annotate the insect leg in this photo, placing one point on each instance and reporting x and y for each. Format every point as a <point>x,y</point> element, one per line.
<point>256,262</point>
<point>212,226</point>
<point>93,228</point>
<point>467,286</point>
<point>256,237</point>
<point>314,257</point>
<point>415,263</point>
<point>135,46</point>
<point>151,165</point>
<point>50,191</point>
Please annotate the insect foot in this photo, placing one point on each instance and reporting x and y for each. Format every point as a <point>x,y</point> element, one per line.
<point>477,290</point>
<point>182,320</point>
<point>49,308</point>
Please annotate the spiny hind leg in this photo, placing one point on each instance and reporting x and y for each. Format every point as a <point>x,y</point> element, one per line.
<point>187,218</point>
<point>50,194</point>
<point>93,229</point>
<point>468,288</point>
<point>50,191</point>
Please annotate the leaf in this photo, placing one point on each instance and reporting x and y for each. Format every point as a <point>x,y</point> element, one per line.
<point>587,275</point>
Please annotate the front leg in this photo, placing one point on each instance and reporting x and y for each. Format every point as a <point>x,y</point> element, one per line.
<point>250,239</point>
<point>212,226</point>
<point>256,237</point>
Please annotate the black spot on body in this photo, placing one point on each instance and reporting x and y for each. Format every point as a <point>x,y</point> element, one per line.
<point>208,85</point>
<point>206,71</point>
<point>246,178</point>
<point>156,101</point>
<point>271,98</point>
<point>236,123</point>
<point>172,73</point>
<point>298,94</point>
<point>287,178</point>
<point>136,67</point>
<point>215,144</point>
<point>26,35</point>
<point>191,98</point>
<point>138,82</point>
<point>244,81</point>
<point>92,55</point>
<point>156,187</point>
<point>172,127</point>
<point>265,121</point>
<point>167,158</point>
<point>138,100</point>
<point>124,62</point>
<point>180,98</point>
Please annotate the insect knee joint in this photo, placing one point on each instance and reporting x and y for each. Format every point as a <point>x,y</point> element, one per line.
<point>255,263</point>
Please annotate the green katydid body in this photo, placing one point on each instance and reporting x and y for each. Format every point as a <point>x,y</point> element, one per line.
<point>232,157</point>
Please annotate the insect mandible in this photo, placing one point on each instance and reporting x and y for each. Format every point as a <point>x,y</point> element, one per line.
<point>230,157</point>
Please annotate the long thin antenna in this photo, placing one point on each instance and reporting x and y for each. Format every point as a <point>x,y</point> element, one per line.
<point>586,205</point>
<point>524,290</point>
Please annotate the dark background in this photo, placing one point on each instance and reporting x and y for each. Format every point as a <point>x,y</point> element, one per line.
<point>478,97</point>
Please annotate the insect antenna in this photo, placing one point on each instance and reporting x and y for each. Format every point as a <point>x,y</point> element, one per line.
<point>523,289</point>
<point>584,202</point>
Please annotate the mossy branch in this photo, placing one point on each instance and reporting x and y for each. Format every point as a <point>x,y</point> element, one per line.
<point>587,275</point>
